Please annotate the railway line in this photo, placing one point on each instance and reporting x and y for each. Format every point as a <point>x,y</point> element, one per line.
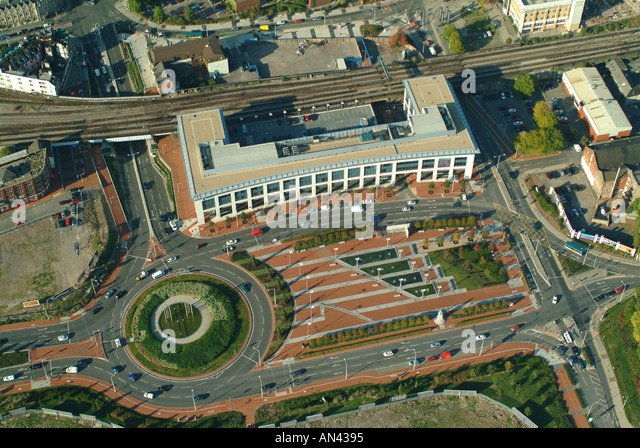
<point>24,117</point>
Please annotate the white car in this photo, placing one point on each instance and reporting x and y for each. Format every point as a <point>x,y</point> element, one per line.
<point>435,344</point>
<point>555,300</point>
<point>480,337</point>
<point>149,395</point>
<point>367,201</point>
<point>171,259</point>
<point>9,378</point>
<point>281,22</point>
<point>388,353</point>
<point>412,202</point>
<point>230,242</point>
<point>407,209</point>
<point>63,337</point>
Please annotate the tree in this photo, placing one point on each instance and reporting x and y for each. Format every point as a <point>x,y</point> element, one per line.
<point>544,115</point>
<point>398,39</point>
<point>135,6</point>
<point>189,15</point>
<point>452,36</point>
<point>539,141</point>
<point>524,85</point>
<point>158,14</point>
<point>6,151</point>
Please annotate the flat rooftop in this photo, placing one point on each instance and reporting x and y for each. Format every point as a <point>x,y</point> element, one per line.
<point>545,3</point>
<point>214,164</point>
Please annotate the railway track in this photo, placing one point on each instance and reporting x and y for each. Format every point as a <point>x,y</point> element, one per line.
<point>24,117</point>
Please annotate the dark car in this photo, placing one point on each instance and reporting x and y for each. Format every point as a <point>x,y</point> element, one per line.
<point>200,397</point>
<point>297,373</point>
<point>35,366</point>
<point>268,386</point>
<point>563,349</point>
<point>117,369</point>
<point>96,310</point>
<point>66,201</point>
<point>576,351</point>
<point>245,287</point>
<point>132,376</point>
<point>201,245</point>
<point>120,294</point>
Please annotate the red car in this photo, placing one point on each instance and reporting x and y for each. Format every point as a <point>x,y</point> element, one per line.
<point>307,118</point>
<point>433,358</point>
<point>75,201</point>
<point>299,20</point>
<point>515,328</point>
<point>620,288</point>
<point>445,355</point>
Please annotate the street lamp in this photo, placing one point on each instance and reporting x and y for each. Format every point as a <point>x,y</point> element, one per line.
<point>194,400</point>
<point>335,253</point>
<point>402,280</point>
<point>413,265</point>
<point>290,252</point>
<point>345,368</point>
<point>357,261</point>
<point>422,291</point>
<point>623,290</point>
<point>388,239</point>
<point>261,389</point>
<point>379,270</point>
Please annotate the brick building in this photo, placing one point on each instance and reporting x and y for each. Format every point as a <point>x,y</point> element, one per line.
<point>25,174</point>
<point>612,169</point>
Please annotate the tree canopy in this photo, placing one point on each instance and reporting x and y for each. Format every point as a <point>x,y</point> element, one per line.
<point>544,140</point>
<point>452,36</point>
<point>544,115</point>
<point>524,85</point>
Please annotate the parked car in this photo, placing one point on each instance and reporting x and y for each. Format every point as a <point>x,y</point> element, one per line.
<point>619,289</point>
<point>515,328</point>
<point>431,359</point>
<point>150,395</point>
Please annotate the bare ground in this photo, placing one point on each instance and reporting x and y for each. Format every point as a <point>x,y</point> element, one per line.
<point>436,412</point>
<point>37,260</point>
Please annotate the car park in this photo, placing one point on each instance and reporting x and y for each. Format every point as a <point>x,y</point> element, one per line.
<point>387,353</point>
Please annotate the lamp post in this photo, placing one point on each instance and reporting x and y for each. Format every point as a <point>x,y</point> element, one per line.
<point>261,389</point>
<point>422,291</point>
<point>194,400</point>
<point>345,368</point>
<point>290,252</point>
<point>379,270</point>
<point>335,253</point>
<point>388,239</point>
<point>413,265</point>
<point>274,296</point>
<point>623,290</point>
<point>402,280</point>
<point>415,359</point>
<point>357,261</point>
<point>299,269</point>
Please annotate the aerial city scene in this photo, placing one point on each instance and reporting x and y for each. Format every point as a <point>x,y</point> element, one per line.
<point>317,214</point>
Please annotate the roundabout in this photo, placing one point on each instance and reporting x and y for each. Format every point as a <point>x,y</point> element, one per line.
<point>186,326</point>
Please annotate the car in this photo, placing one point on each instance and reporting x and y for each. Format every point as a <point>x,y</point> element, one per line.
<point>109,89</point>
<point>563,120</point>
<point>431,359</point>
<point>571,360</point>
<point>9,378</point>
<point>307,118</point>
<point>515,328</point>
<point>412,202</point>
<point>75,200</point>
<point>619,289</point>
<point>245,287</point>
<point>456,204</point>
<point>407,209</point>
<point>109,293</point>
<point>562,349</point>
<point>554,300</point>
<point>232,242</point>
<point>104,69</point>
<point>297,373</point>
<point>66,201</point>
<point>200,397</point>
<point>537,225</point>
<point>581,363</point>
<point>518,123</point>
<point>436,344</point>
<point>299,20</point>
<point>576,351</point>
<point>318,18</point>
<point>414,362</point>
<point>116,369</point>
<point>235,28</point>
<point>445,355</point>
<point>142,275</point>
<point>367,201</point>
<point>149,395</point>
<point>559,111</point>
<point>63,337</point>
<point>268,386</point>
<point>511,110</point>
<point>281,22</point>
<point>200,245</point>
<point>96,310</point>
<point>171,259</point>
<point>480,337</point>
<point>120,294</point>
<point>118,342</point>
<point>388,353</point>
<point>227,249</point>
<point>35,366</point>
<point>132,377</point>
<point>548,175</point>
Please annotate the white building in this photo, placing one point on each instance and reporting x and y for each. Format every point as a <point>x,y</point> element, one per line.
<point>540,15</point>
<point>22,83</point>
<point>229,170</point>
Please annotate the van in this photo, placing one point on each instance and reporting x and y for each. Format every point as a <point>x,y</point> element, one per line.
<point>158,274</point>
<point>174,225</point>
<point>72,369</point>
<point>255,232</point>
<point>567,337</point>
<point>577,147</point>
<point>97,72</point>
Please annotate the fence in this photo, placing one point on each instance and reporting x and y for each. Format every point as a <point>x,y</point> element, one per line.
<point>403,399</point>
<point>58,414</point>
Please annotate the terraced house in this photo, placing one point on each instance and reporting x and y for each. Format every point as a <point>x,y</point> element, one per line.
<point>233,169</point>
<point>23,12</point>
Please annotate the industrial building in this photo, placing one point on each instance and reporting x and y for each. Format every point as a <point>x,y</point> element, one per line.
<point>243,168</point>
<point>539,15</point>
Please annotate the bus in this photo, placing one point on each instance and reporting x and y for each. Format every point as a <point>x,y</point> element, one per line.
<point>576,247</point>
<point>193,34</point>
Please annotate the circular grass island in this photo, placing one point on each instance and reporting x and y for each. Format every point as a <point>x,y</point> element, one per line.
<point>187,325</point>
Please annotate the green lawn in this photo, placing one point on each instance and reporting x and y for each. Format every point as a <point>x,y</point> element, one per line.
<point>416,290</point>
<point>175,318</point>
<point>388,268</point>
<point>463,280</point>
<point>381,255</point>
